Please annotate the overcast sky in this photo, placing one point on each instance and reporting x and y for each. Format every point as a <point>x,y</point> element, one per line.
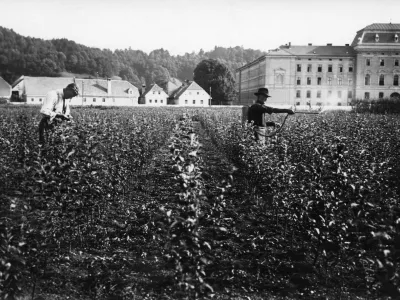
<point>181,26</point>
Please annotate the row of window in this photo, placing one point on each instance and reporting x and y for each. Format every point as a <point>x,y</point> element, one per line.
<point>381,62</point>
<point>367,95</point>
<point>95,100</point>
<point>319,68</point>
<point>339,94</point>
<point>320,103</point>
<point>367,80</point>
<point>329,81</point>
<point>155,101</point>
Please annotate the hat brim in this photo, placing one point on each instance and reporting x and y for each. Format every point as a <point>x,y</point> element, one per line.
<point>266,95</point>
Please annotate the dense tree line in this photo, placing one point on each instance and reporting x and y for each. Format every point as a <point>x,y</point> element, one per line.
<point>29,56</point>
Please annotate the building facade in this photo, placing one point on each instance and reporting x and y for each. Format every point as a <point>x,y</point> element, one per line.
<point>96,92</point>
<point>190,94</point>
<point>326,75</point>
<point>155,96</point>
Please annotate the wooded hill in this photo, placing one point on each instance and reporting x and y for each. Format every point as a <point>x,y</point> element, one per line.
<point>20,55</point>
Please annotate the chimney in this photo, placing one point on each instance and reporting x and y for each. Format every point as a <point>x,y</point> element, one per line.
<point>329,44</point>
<point>309,44</point>
<point>109,86</point>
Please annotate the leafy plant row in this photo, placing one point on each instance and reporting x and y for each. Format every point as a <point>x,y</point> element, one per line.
<point>73,195</point>
<point>322,197</point>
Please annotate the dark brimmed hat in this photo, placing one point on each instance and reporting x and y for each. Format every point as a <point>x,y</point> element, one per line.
<point>262,91</point>
<point>73,87</point>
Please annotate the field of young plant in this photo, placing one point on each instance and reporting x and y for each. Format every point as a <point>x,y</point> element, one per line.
<point>174,203</point>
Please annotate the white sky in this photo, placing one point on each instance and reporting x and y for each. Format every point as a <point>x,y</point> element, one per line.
<point>181,26</point>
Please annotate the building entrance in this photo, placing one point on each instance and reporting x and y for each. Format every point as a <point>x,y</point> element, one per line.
<point>395,96</point>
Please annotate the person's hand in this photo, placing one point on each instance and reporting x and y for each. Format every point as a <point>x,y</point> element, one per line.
<point>290,112</point>
<point>62,117</point>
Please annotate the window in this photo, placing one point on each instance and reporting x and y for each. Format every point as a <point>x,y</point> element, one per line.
<point>367,79</point>
<point>32,99</point>
<point>186,102</point>
<point>194,101</point>
<point>297,103</point>
<point>201,102</point>
<point>339,104</point>
<point>298,94</point>
<point>350,81</point>
<point>309,68</point>
<point>155,101</point>
<point>340,68</point>
<point>368,62</point>
<point>329,68</point>
<point>298,68</point>
<point>40,99</point>
<point>396,80</point>
<point>298,80</point>
<point>350,68</point>
<point>94,99</point>
<point>150,101</point>
<point>154,92</point>
<point>350,94</point>
<point>329,80</point>
<point>198,93</point>
<point>396,62</point>
<point>396,38</point>
<point>340,80</point>
<point>319,103</point>
<point>377,38</point>
<point>159,92</point>
<point>380,95</point>
<point>318,94</point>
<point>366,95</point>
<point>308,94</point>
<point>339,94</point>
<point>161,101</point>
<point>308,80</point>
<point>382,62</point>
<point>319,68</point>
<point>84,99</point>
<point>329,94</point>
<point>319,80</point>
<point>381,79</point>
<point>104,99</point>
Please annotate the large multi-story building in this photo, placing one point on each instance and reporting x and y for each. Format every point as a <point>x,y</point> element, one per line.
<point>327,75</point>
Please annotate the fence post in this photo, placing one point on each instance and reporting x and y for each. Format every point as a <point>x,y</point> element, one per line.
<point>245,110</point>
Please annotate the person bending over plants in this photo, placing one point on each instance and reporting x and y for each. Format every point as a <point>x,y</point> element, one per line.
<point>257,112</point>
<point>55,109</point>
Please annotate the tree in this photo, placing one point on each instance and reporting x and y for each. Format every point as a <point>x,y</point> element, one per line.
<point>211,73</point>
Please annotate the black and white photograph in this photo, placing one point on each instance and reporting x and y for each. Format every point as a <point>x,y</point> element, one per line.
<point>213,149</point>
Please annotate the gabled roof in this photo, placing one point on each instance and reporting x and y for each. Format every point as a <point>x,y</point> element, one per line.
<point>87,87</point>
<point>153,88</point>
<point>5,89</point>
<point>192,86</point>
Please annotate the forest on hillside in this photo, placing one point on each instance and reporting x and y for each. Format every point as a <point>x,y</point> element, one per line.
<point>20,55</point>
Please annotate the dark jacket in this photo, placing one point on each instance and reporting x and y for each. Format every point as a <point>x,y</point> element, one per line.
<point>256,114</point>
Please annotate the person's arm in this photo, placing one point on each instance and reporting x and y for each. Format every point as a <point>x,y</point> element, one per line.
<point>68,112</point>
<point>282,111</point>
<point>48,106</point>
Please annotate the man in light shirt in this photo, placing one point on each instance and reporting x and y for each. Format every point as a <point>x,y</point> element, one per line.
<point>55,108</point>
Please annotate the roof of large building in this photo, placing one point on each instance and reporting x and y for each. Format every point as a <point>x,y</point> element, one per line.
<point>87,87</point>
<point>382,26</point>
<point>320,50</point>
<point>5,89</point>
<point>188,87</point>
<point>153,88</point>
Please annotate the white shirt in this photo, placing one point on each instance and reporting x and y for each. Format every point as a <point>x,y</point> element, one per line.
<point>53,105</point>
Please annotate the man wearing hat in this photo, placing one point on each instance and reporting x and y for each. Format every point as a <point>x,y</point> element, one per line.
<point>55,108</point>
<point>258,110</point>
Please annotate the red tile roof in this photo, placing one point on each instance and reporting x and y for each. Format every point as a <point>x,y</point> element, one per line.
<point>5,89</point>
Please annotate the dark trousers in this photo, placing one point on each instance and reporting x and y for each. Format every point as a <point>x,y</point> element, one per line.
<point>45,127</point>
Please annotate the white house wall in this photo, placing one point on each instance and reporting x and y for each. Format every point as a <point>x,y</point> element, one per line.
<point>194,98</point>
<point>156,98</point>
